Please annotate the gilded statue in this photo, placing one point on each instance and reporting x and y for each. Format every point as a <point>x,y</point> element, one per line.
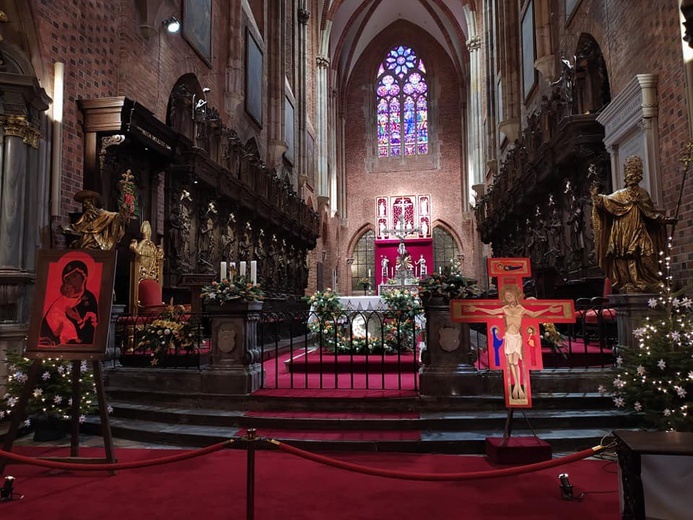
<point>629,233</point>
<point>98,228</point>
<point>148,255</point>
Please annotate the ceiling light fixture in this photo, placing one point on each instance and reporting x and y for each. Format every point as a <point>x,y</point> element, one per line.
<point>172,24</point>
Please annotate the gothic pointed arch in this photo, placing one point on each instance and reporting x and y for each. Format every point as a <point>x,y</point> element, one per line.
<point>592,89</point>
<point>447,247</point>
<point>361,257</point>
<point>180,110</point>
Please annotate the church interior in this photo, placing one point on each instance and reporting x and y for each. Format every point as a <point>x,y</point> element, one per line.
<point>347,148</point>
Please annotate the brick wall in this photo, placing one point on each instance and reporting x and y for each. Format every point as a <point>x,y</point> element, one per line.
<point>639,37</point>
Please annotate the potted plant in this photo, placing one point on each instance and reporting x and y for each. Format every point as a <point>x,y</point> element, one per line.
<point>50,403</point>
<point>172,333</point>
<point>654,379</point>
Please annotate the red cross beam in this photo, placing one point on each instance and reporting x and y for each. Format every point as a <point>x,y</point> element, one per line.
<point>514,339</point>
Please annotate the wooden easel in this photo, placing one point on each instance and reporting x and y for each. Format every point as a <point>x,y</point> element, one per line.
<point>20,413</point>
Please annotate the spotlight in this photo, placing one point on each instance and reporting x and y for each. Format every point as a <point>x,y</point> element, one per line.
<point>567,488</point>
<point>172,24</point>
<point>7,491</point>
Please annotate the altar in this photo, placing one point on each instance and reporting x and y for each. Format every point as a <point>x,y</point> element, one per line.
<point>362,303</point>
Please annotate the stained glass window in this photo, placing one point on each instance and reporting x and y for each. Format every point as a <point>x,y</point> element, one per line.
<point>402,104</point>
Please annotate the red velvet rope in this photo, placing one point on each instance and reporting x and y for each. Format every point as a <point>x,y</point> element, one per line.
<point>117,465</point>
<point>404,475</point>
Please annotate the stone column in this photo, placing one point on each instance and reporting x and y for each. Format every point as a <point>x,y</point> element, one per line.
<point>476,126</point>
<point>631,311</point>
<point>236,363</point>
<point>321,144</point>
<point>447,359</point>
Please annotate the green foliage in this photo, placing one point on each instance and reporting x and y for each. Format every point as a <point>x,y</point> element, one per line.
<point>450,284</point>
<point>655,377</point>
<point>227,290</point>
<point>52,392</point>
<point>170,333</point>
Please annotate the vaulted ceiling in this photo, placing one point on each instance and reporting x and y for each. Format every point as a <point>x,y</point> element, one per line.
<point>353,24</point>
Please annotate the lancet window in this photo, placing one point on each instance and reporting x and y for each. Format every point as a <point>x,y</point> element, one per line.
<point>402,104</point>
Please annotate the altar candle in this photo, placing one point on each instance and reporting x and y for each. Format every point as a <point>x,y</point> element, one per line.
<point>369,273</point>
<point>253,272</point>
<point>223,270</point>
<point>242,271</point>
<point>232,270</point>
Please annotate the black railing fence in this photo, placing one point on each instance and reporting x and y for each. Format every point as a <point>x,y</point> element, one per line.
<point>345,349</point>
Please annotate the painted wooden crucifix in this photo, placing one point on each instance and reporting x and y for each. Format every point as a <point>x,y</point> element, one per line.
<point>514,339</point>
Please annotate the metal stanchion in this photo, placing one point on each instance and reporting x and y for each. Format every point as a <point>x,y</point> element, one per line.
<point>250,475</point>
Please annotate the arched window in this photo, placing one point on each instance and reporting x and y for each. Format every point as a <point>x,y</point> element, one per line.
<point>364,261</point>
<point>402,104</point>
<point>445,250</point>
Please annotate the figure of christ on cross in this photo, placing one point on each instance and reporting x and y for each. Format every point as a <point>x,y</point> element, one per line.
<point>513,326</point>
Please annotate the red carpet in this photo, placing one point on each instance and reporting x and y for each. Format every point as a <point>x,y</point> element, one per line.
<point>290,488</point>
<point>280,382</point>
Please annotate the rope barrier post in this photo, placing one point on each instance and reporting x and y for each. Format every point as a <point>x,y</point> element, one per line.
<point>250,475</point>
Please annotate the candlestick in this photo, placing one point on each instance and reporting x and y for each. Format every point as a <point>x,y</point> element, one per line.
<point>242,269</point>
<point>222,271</point>
<point>253,272</point>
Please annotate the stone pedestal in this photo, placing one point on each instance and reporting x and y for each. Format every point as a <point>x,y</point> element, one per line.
<point>236,362</point>
<point>631,310</point>
<point>448,368</point>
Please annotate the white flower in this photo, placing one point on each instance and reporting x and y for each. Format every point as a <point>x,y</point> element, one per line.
<point>619,402</point>
<point>58,399</point>
<point>2,415</point>
<point>27,423</point>
<point>681,392</point>
<point>637,406</point>
<point>109,409</point>
<point>667,412</point>
<point>46,376</point>
<point>38,392</point>
<point>640,370</point>
<point>601,389</point>
<point>690,375</point>
<point>675,303</point>
<point>619,361</point>
<point>82,418</point>
<point>619,383</point>
<point>11,402</point>
<point>662,364</point>
<point>652,302</point>
<point>639,332</point>
<point>676,335</point>
<point>687,302</point>
<point>83,366</point>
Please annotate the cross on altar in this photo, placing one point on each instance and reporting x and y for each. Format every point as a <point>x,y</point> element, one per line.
<point>514,340</point>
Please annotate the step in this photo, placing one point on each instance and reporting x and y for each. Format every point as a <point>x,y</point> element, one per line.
<point>461,442</point>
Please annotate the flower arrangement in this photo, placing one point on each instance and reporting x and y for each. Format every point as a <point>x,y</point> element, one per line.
<point>52,393</point>
<point>654,379</point>
<point>448,283</point>
<point>230,290</point>
<point>364,283</point>
<point>171,332</point>
<point>401,326</point>
<point>550,335</point>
